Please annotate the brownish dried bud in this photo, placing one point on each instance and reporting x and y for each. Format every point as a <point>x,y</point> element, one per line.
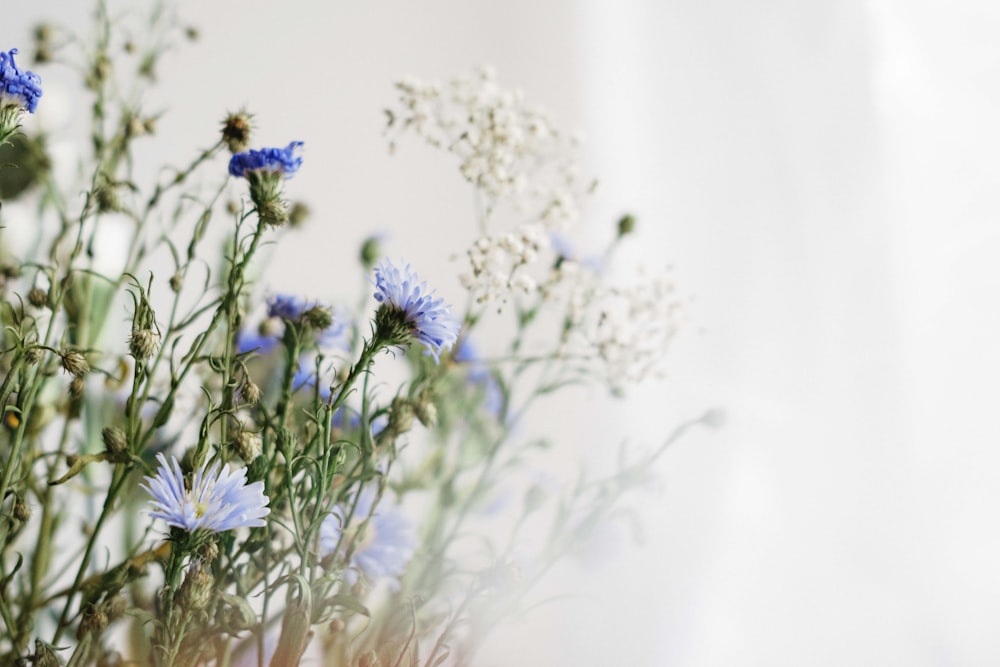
<point>75,363</point>
<point>251,392</point>
<point>33,355</point>
<point>318,317</point>
<point>76,387</point>
<point>247,445</point>
<point>298,214</point>
<point>209,551</point>
<point>38,297</point>
<point>142,343</point>
<point>196,591</point>
<point>426,411</point>
<point>93,622</point>
<point>115,444</point>
<point>45,656</point>
<point>21,510</point>
<point>116,607</point>
<point>176,282</point>
<point>236,131</point>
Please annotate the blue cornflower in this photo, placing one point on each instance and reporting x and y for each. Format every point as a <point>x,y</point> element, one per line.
<point>380,547</point>
<point>282,161</point>
<point>479,375</point>
<point>287,306</point>
<point>410,309</point>
<point>265,170</point>
<point>18,88</point>
<point>217,499</point>
<point>255,340</point>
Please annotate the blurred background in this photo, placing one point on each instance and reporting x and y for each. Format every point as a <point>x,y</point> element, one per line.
<point>823,177</point>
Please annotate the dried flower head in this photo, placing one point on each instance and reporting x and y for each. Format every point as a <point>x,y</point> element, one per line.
<point>74,363</point>
<point>142,343</point>
<point>236,131</point>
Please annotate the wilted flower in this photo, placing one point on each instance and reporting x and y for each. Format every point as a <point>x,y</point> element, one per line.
<point>381,545</point>
<point>217,500</point>
<point>410,309</point>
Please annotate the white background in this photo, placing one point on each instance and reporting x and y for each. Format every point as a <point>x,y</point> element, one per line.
<point>823,174</point>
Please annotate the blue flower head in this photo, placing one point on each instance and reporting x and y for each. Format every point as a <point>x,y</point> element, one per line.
<point>17,87</point>
<point>265,170</point>
<point>284,161</point>
<point>217,499</point>
<point>410,309</point>
<point>380,546</point>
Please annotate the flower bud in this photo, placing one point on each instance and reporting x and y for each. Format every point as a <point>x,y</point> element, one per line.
<point>32,355</point>
<point>176,282</point>
<point>426,412</point>
<point>196,591</point>
<point>75,363</point>
<point>251,391</point>
<point>318,317</point>
<point>45,656</point>
<point>236,131</point>
<point>142,343</point>
<point>115,444</point>
<point>76,387</point>
<point>93,622</point>
<point>298,214</point>
<point>209,551</point>
<point>21,510</point>
<point>626,225</point>
<point>38,297</point>
<point>247,445</point>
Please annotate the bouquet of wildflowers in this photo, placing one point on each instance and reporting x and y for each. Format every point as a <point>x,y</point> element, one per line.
<point>242,477</point>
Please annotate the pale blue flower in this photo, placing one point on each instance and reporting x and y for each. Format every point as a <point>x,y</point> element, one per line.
<point>283,161</point>
<point>402,293</point>
<point>381,548</point>
<point>217,499</point>
<point>479,375</point>
<point>18,87</point>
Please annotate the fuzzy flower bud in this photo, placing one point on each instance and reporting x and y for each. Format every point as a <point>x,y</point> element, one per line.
<point>76,387</point>
<point>142,343</point>
<point>38,297</point>
<point>626,225</point>
<point>196,592</point>
<point>251,392</point>
<point>21,511</point>
<point>45,656</point>
<point>32,355</point>
<point>426,412</point>
<point>93,622</point>
<point>246,445</point>
<point>236,131</point>
<point>318,317</point>
<point>115,444</point>
<point>74,363</point>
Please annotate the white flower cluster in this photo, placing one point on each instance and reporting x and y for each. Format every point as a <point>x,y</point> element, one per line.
<point>498,266</point>
<point>629,329</point>
<point>508,149</point>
